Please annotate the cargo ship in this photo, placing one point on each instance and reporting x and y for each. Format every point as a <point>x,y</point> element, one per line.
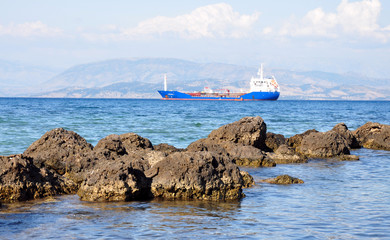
<point>261,88</point>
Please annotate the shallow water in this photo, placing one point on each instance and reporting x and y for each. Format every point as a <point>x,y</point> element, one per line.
<point>339,200</point>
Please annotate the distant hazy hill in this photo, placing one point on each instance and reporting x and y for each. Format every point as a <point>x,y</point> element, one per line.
<point>141,78</point>
<point>17,79</point>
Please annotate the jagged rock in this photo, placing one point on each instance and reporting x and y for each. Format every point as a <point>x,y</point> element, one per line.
<point>274,141</point>
<point>342,129</point>
<point>296,140</point>
<point>207,145</point>
<point>323,145</point>
<point>60,150</point>
<point>109,148</point>
<point>132,141</point>
<point>120,180</point>
<point>286,155</point>
<point>248,179</point>
<point>248,131</point>
<point>374,136</point>
<point>249,156</point>
<point>240,154</point>
<point>196,175</point>
<point>21,180</point>
<point>284,179</point>
<point>166,148</point>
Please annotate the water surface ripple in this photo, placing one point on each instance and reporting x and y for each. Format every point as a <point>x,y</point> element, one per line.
<point>339,200</point>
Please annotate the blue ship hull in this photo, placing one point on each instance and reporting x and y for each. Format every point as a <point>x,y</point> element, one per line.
<point>252,96</point>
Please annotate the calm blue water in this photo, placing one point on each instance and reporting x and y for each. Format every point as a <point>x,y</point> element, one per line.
<point>339,200</point>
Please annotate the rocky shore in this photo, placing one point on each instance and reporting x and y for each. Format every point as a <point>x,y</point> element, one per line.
<point>128,167</point>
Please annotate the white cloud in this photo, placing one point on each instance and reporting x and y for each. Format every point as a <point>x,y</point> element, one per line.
<point>351,18</point>
<point>30,29</point>
<point>211,21</point>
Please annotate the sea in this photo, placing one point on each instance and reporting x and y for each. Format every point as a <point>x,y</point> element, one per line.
<point>338,200</point>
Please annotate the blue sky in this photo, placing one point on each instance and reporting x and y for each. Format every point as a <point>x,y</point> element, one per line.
<point>327,35</point>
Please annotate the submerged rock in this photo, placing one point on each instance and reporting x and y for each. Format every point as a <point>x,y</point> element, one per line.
<point>21,180</point>
<point>284,179</point>
<point>374,136</point>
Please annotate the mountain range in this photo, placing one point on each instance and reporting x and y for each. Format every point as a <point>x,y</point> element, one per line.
<point>142,77</point>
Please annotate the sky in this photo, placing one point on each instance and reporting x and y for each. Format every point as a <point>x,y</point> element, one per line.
<point>340,36</point>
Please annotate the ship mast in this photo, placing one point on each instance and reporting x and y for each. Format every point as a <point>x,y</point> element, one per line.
<point>165,83</point>
<point>261,71</point>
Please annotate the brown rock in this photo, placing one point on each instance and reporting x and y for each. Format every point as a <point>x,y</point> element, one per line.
<point>296,140</point>
<point>196,175</point>
<point>109,148</point>
<point>284,179</point>
<point>207,145</point>
<point>248,179</point>
<point>21,180</point>
<point>323,145</point>
<point>343,131</point>
<point>249,156</point>
<point>286,155</point>
<point>374,136</point>
<point>166,148</point>
<point>120,180</point>
<point>132,141</point>
<point>273,141</point>
<point>248,131</point>
<point>60,150</point>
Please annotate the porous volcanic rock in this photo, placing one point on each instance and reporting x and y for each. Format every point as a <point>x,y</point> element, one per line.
<point>248,179</point>
<point>166,148</point>
<point>283,179</point>
<point>374,136</point>
<point>274,141</point>
<point>133,142</point>
<point>286,155</point>
<point>21,180</point>
<point>296,140</point>
<point>248,131</point>
<point>196,175</point>
<point>60,150</point>
<point>238,153</point>
<point>342,129</point>
<point>109,148</point>
<point>120,180</point>
<point>250,157</point>
<point>323,145</point>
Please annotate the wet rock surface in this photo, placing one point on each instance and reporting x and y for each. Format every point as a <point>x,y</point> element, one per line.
<point>284,180</point>
<point>21,180</point>
<point>287,155</point>
<point>115,181</point>
<point>196,175</point>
